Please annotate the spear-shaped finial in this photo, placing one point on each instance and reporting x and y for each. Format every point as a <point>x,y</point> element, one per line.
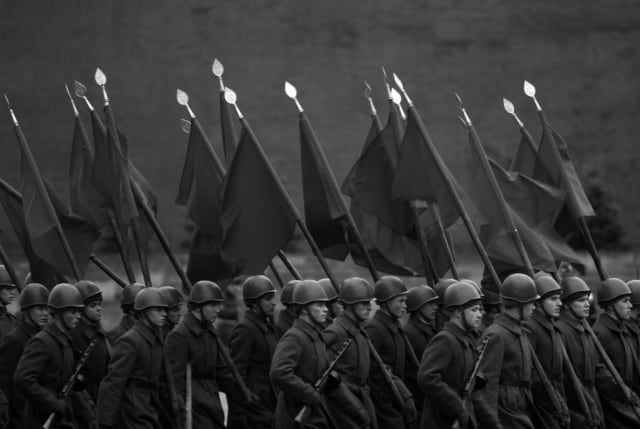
<point>231,98</point>
<point>101,79</point>
<point>292,93</point>
<point>183,100</point>
<point>530,90</point>
<point>401,86</point>
<point>73,103</point>
<point>464,112</point>
<point>218,69</point>
<point>508,107</point>
<point>185,125</point>
<point>367,94</point>
<point>80,90</point>
<point>386,82</point>
<point>13,115</point>
<point>396,97</point>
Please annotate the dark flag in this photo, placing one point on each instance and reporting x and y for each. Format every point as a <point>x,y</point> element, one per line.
<point>323,209</point>
<point>256,218</point>
<point>524,158</point>
<point>228,131</point>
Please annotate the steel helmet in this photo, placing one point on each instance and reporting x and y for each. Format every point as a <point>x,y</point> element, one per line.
<point>356,289</point>
<point>63,296</point>
<point>308,291</point>
<point>286,296</point>
<point>33,294</point>
<point>331,291</point>
<point>389,287</point>
<point>461,294</point>
<point>634,287</point>
<point>255,287</point>
<point>474,284</point>
<point>518,289</point>
<point>442,286</point>
<point>172,295</point>
<point>611,290</point>
<point>90,291</point>
<point>419,296</point>
<point>572,288</point>
<point>129,294</point>
<point>150,297</point>
<point>5,278</point>
<point>546,286</point>
<point>205,291</point>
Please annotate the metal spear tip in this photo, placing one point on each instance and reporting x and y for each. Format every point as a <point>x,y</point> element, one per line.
<point>464,123</point>
<point>459,100</point>
<point>185,125</point>
<point>79,89</point>
<point>396,97</point>
<point>230,96</point>
<point>508,106</point>
<point>217,68</point>
<point>7,100</point>
<point>529,89</point>
<point>398,82</point>
<point>100,77</point>
<point>182,97</point>
<point>367,89</point>
<point>290,90</point>
<point>384,72</point>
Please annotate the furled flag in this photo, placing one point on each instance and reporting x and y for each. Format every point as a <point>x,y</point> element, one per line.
<point>256,219</point>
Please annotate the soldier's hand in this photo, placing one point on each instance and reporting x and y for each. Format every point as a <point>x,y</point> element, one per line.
<point>633,399</point>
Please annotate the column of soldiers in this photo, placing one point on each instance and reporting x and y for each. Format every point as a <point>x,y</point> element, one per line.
<point>465,357</point>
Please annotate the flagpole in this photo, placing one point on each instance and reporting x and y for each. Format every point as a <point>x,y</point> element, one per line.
<point>291,93</point>
<point>43,193</point>
<point>294,272</point>
<point>10,269</point>
<point>445,240</point>
<point>430,273</point>
<point>276,274</point>
<point>108,271</point>
<point>452,191</point>
<point>506,214</point>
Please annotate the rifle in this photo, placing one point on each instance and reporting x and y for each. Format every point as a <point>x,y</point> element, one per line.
<point>69,384</point>
<point>396,397</point>
<point>471,381</point>
<point>577,386</point>
<point>612,369</point>
<point>248,396</point>
<point>549,390</point>
<point>319,385</point>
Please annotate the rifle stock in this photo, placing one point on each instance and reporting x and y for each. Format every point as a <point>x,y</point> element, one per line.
<point>396,397</point>
<point>548,387</point>
<point>577,385</point>
<point>471,381</point>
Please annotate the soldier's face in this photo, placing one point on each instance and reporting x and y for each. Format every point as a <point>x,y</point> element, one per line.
<point>268,304</point>
<point>580,306</point>
<point>473,316</point>
<point>317,312</point>
<point>156,316</point>
<point>397,306</point>
<point>174,313</point>
<point>7,294</point>
<point>551,305</point>
<point>70,317</point>
<point>622,308</point>
<point>335,307</point>
<point>39,315</point>
<point>527,310</point>
<point>93,311</point>
<point>211,310</point>
<point>428,311</point>
<point>362,310</point>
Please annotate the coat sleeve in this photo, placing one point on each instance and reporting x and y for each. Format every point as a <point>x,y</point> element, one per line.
<point>331,338</point>
<point>490,369</point>
<point>241,347</point>
<point>285,360</point>
<point>178,354</point>
<point>26,379</point>
<point>121,366</point>
<point>435,361</point>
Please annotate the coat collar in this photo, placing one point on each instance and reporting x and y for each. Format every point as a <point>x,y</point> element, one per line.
<point>196,326</point>
<point>421,324</point>
<point>459,333</point>
<point>309,329</point>
<point>260,321</point>
<point>508,323</point>
<point>147,333</point>
<point>349,323</point>
<point>387,320</point>
<point>612,324</point>
<point>90,329</point>
<point>52,329</point>
<point>543,320</point>
<point>572,321</point>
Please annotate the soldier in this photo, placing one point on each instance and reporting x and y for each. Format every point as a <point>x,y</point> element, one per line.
<point>195,342</point>
<point>422,305</point>
<point>333,305</point>
<point>47,363</point>
<point>547,343</point>
<point>174,311</point>
<point>442,316</point>
<point>127,299</point>
<point>447,364</point>
<point>7,293</point>
<point>614,296</point>
<point>252,343</point>
<point>353,408</point>
<point>33,305</point>
<point>287,315</point>
<point>300,359</point>
<point>491,307</point>
<point>634,321</point>
<point>581,352</point>
<point>389,340</point>
<point>131,394</point>
<point>507,366</point>
<point>89,328</point>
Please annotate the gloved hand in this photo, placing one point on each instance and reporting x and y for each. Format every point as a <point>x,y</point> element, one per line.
<point>633,399</point>
<point>332,381</point>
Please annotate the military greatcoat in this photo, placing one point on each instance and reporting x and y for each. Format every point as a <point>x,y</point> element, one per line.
<point>97,362</point>
<point>284,321</point>
<point>125,324</point>
<point>7,321</point>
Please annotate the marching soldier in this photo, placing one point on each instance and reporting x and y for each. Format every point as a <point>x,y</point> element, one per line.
<point>33,305</point>
<point>300,359</point>
<point>448,362</point>
<point>7,293</point>
<point>389,340</point>
<point>195,342</point>
<point>490,308</point>
<point>442,316</point>
<point>634,321</point>
<point>547,344</point>
<point>353,407</point>
<point>334,306</point>
<point>287,315</point>
<point>252,343</point>
<point>127,299</point>
<point>131,394</point>
<point>422,305</point>
<point>508,363</point>
<point>614,296</point>
<point>89,328</point>
<point>175,300</point>
<point>48,362</point>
